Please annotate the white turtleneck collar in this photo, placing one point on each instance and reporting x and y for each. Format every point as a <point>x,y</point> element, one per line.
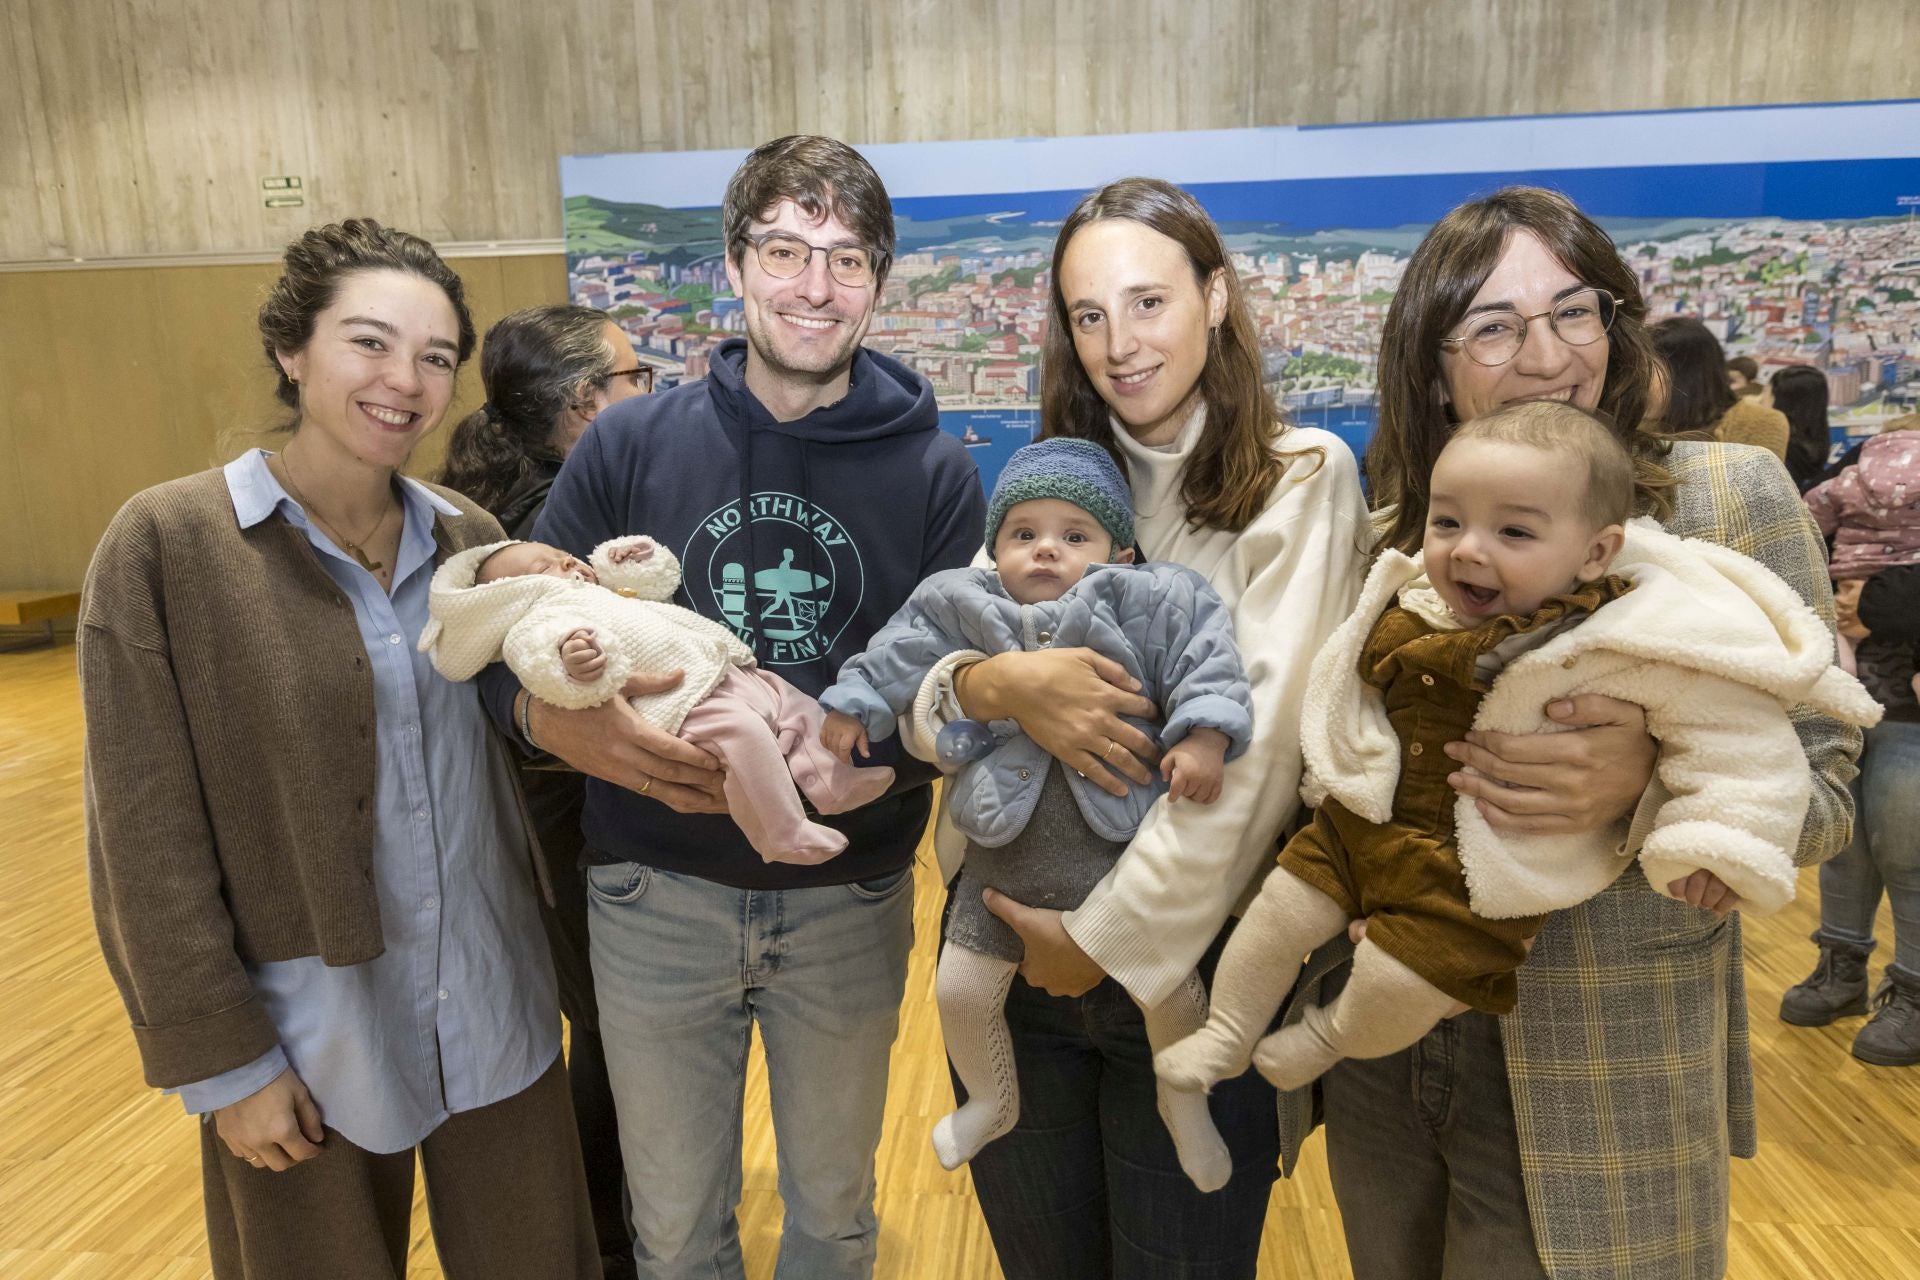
<point>1154,471</point>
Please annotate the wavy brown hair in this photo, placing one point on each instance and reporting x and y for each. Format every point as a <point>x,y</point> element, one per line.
<point>1237,461</point>
<point>1446,270</point>
<point>821,176</point>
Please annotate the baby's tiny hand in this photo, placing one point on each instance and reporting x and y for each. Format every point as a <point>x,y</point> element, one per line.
<point>637,551</point>
<point>582,656</point>
<point>842,733</point>
<point>1192,767</point>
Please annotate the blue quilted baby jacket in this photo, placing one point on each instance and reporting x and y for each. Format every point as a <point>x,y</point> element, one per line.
<point>1163,623</point>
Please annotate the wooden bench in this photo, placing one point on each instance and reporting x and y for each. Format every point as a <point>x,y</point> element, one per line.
<point>24,608</point>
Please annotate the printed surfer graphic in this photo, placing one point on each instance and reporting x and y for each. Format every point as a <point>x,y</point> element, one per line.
<point>793,611</point>
<point>788,599</point>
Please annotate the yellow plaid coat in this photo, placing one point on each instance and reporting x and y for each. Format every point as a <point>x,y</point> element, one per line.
<point>1627,1052</point>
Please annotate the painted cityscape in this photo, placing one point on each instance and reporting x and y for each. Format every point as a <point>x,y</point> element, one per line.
<point>965,303</point>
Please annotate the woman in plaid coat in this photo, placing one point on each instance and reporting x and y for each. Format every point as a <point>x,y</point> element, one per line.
<point>1586,1135</point>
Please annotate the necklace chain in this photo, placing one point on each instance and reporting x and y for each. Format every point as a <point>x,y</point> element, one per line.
<point>352,548</point>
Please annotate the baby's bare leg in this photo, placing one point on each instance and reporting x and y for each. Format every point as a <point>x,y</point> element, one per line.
<point>971,989</point>
<point>1385,1007</point>
<point>1288,919</point>
<point>1202,1154</point>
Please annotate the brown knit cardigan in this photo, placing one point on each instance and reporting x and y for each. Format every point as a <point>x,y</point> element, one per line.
<point>229,775</point>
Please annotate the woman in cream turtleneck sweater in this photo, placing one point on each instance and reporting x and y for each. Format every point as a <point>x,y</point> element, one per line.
<point>1151,352</point>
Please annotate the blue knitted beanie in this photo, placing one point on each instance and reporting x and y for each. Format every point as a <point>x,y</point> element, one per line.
<point>1076,471</point>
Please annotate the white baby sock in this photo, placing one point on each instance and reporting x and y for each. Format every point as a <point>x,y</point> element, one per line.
<point>1203,1155</point>
<point>972,992</point>
<point>1386,1007</point>
<point>1287,919</point>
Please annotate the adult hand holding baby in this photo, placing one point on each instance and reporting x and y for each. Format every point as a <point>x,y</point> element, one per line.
<point>1581,780</point>
<point>1558,783</point>
<point>1054,961</point>
<point>1069,701</point>
<point>614,743</point>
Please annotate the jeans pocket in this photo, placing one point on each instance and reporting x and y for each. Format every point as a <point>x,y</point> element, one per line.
<point>882,887</point>
<point>618,883</point>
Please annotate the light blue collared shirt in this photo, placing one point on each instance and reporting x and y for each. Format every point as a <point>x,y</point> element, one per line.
<point>459,1011</point>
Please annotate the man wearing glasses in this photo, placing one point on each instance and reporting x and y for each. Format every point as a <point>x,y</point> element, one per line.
<point>807,489</point>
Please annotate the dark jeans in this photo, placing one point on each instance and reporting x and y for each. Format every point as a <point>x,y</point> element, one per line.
<point>1087,1184</point>
<point>1425,1160</point>
<point>555,800</point>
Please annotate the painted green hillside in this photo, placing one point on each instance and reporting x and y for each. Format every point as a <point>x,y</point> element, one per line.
<point>608,226</point>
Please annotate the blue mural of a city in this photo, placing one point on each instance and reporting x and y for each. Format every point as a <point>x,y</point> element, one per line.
<point>1805,262</point>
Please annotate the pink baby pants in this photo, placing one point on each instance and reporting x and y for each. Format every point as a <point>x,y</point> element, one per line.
<point>766,734</point>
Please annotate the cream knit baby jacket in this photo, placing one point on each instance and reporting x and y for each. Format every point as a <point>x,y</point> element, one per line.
<point>525,619</point>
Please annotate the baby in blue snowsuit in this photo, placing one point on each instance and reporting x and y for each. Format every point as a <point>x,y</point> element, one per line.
<point>1060,531</point>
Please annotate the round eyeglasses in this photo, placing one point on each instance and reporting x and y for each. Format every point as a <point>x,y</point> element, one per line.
<point>785,256</point>
<point>1495,337</point>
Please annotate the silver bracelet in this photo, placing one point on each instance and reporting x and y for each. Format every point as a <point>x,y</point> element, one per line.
<point>526,730</point>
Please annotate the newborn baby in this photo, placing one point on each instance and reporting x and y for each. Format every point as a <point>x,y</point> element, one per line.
<point>575,632</point>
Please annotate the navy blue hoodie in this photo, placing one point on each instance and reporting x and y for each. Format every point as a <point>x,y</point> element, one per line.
<point>803,536</point>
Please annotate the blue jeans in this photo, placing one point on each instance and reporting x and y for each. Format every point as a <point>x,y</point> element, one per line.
<point>1087,1185</point>
<point>683,969</point>
<point>1885,852</point>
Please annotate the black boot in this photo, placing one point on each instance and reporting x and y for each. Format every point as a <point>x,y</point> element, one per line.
<point>1892,1037</point>
<point>1837,988</point>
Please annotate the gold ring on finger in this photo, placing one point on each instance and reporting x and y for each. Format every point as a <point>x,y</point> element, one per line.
<point>1107,755</point>
<point>646,786</point>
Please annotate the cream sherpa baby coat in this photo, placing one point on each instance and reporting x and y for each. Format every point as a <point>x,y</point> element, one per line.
<point>1713,645</point>
<point>525,619</point>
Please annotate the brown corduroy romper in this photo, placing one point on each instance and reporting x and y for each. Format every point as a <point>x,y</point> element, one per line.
<point>1404,876</point>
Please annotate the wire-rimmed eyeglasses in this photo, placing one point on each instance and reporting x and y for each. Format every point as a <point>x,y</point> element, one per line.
<point>1494,337</point>
<point>785,256</point>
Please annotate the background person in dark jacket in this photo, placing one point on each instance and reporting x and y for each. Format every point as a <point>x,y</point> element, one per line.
<point>549,371</point>
<point>1699,398</point>
<point>1799,393</point>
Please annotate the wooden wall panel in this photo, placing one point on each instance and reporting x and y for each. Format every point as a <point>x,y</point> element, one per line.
<point>114,380</point>
<point>138,127</point>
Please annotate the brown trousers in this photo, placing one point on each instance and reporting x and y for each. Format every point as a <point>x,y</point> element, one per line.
<point>505,1194</point>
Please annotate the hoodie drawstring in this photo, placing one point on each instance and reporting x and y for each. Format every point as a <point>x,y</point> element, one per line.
<point>813,549</point>
<point>749,598</point>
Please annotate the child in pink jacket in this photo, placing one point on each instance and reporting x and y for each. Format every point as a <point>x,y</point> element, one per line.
<point>1871,510</point>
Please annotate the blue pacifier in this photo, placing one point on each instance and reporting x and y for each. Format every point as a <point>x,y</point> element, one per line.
<point>962,742</point>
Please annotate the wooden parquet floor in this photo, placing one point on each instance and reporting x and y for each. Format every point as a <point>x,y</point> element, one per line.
<point>99,1176</point>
